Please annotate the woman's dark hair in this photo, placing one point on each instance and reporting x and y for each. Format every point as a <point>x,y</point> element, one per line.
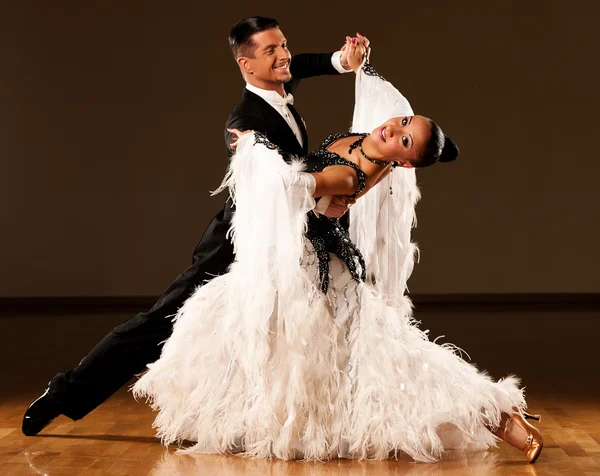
<point>240,37</point>
<point>440,148</point>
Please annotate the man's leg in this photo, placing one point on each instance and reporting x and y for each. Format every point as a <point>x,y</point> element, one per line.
<point>122,353</point>
<point>127,349</point>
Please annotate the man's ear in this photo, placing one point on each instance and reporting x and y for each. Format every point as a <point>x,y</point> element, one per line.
<point>244,65</point>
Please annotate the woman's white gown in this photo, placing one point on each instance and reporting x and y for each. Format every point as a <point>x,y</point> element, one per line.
<point>261,361</point>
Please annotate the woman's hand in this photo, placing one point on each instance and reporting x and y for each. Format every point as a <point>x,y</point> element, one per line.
<point>338,206</point>
<point>356,51</point>
<point>361,41</point>
<point>238,134</point>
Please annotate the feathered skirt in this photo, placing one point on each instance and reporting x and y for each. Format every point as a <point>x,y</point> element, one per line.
<point>313,376</point>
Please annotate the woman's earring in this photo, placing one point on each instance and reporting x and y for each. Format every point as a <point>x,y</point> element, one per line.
<point>394,165</point>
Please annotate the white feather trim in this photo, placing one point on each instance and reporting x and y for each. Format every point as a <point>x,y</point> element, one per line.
<point>275,382</point>
<point>380,222</point>
<point>261,361</point>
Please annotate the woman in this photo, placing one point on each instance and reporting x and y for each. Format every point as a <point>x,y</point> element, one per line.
<point>305,349</point>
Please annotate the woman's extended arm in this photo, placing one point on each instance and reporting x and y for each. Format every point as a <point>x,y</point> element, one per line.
<point>339,180</point>
<point>335,180</point>
<point>344,182</point>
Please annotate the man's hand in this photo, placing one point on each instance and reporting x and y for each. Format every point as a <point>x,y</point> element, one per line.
<point>361,41</point>
<point>239,134</point>
<point>339,206</point>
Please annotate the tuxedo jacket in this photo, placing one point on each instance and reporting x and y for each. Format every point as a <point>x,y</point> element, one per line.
<point>256,114</point>
<point>127,349</point>
<point>215,250</point>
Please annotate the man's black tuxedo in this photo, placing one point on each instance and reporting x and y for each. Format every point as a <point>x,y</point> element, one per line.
<point>127,349</point>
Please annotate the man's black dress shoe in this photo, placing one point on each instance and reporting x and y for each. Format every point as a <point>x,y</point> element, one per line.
<point>40,414</point>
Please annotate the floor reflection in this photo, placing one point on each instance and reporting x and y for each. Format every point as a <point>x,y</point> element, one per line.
<point>480,464</point>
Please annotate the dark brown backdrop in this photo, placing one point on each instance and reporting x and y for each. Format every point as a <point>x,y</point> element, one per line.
<point>111,119</point>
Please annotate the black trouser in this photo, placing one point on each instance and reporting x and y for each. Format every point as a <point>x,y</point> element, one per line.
<point>127,349</point>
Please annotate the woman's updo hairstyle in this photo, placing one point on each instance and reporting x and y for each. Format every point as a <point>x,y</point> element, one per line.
<point>439,148</point>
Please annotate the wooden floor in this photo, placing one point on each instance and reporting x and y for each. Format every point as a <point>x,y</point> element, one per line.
<point>117,438</point>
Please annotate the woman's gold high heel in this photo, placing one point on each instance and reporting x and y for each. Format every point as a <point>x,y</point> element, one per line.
<point>528,416</point>
<point>512,431</point>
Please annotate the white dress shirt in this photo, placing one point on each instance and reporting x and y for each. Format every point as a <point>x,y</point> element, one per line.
<point>280,104</point>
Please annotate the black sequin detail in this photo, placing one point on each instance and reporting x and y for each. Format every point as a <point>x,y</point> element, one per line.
<point>340,135</point>
<point>370,71</point>
<point>260,138</point>
<point>326,234</point>
<point>356,143</point>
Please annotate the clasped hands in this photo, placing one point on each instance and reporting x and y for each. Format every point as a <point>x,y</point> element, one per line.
<point>354,51</point>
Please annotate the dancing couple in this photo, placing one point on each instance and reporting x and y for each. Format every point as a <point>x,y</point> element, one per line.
<point>303,346</point>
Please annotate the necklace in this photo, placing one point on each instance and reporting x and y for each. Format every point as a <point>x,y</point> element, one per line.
<point>358,143</point>
<point>381,163</point>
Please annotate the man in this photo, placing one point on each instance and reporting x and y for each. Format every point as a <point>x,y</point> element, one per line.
<point>261,52</point>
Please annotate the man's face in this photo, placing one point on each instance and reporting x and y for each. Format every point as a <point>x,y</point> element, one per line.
<point>269,67</point>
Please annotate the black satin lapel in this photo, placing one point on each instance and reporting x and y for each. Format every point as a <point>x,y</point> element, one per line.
<point>301,126</point>
<point>279,126</point>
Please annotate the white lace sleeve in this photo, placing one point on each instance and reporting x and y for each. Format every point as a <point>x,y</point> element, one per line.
<point>271,200</point>
<point>380,222</point>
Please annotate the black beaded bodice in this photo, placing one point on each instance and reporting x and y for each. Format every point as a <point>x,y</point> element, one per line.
<point>327,235</point>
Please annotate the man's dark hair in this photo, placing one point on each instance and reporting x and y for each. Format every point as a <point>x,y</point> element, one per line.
<point>240,37</point>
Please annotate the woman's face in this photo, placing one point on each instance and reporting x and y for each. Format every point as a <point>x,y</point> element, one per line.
<point>402,139</point>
